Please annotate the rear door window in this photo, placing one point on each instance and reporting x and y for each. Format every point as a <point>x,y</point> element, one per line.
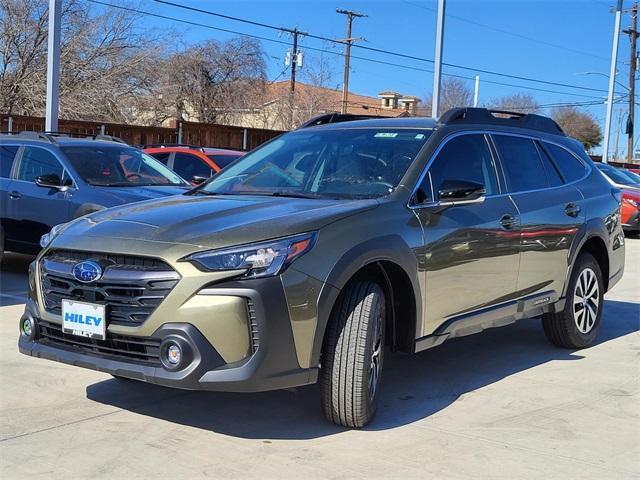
<point>7,156</point>
<point>553,175</point>
<point>522,163</point>
<point>189,166</point>
<point>571,168</point>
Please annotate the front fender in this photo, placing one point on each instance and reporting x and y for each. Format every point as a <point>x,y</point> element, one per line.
<point>391,248</point>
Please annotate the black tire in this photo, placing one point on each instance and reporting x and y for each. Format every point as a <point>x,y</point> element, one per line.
<point>570,329</point>
<point>349,380</point>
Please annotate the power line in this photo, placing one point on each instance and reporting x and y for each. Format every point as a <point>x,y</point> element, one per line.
<point>366,59</point>
<point>379,50</point>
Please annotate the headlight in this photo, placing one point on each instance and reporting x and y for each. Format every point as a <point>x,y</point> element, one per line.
<point>47,238</point>
<point>263,259</point>
<point>630,201</point>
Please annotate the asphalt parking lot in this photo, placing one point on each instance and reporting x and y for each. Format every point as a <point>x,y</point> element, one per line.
<point>502,404</point>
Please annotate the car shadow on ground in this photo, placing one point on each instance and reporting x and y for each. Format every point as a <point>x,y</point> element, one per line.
<point>14,279</point>
<point>414,386</point>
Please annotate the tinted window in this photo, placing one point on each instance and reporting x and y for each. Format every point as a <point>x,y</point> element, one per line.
<point>161,157</point>
<point>108,165</point>
<point>36,162</point>
<point>332,163</point>
<point>571,168</point>
<point>7,156</point>
<point>223,160</point>
<point>465,158</point>
<point>553,176</point>
<point>189,166</point>
<point>522,163</point>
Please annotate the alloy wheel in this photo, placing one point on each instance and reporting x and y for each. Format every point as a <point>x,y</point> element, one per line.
<point>586,300</point>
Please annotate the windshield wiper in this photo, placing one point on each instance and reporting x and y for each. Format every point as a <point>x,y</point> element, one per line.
<point>294,194</point>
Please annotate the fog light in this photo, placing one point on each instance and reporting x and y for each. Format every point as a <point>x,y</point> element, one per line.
<point>28,328</point>
<point>174,354</point>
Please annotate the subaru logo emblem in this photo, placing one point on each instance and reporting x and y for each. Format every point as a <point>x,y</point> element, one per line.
<point>87,271</point>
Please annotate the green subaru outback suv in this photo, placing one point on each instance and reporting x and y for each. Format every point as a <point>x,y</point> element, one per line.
<point>311,256</point>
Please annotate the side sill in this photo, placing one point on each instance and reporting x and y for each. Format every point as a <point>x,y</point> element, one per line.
<point>491,317</point>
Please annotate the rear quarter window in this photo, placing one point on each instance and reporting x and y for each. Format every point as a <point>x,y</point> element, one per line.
<point>571,168</point>
<point>7,157</point>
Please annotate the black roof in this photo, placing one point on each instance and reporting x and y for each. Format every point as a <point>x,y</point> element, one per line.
<point>383,122</point>
<point>453,117</point>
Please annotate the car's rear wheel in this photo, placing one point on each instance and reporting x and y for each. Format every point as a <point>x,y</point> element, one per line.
<point>353,355</point>
<point>577,325</point>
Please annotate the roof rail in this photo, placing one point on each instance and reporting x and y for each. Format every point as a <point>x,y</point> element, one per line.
<point>109,138</point>
<point>336,118</point>
<point>37,136</point>
<point>467,115</point>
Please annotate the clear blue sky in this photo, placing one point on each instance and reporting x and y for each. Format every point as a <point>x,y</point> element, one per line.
<point>554,40</point>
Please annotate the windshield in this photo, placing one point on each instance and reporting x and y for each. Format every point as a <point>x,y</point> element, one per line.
<point>621,177</point>
<point>119,166</point>
<point>340,163</point>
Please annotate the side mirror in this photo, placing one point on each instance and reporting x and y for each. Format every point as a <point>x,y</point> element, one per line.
<point>197,180</point>
<point>461,191</point>
<point>50,180</point>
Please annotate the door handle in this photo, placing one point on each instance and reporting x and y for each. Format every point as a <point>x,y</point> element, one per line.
<point>572,210</point>
<point>508,221</point>
<point>14,194</point>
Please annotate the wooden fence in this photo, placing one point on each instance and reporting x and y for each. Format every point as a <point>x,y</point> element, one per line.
<point>201,134</point>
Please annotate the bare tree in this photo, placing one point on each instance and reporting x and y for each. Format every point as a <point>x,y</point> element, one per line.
<point>453,93</point>
<point>578,124</point>
<point>107,62</point>
<point>518,102</point>
<point>210,81</point>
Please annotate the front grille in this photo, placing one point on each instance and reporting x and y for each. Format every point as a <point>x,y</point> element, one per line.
<point>131,287</point>
<point>141,350</point>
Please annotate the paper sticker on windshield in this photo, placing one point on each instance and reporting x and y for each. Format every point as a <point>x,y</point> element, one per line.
<point>386,135</point>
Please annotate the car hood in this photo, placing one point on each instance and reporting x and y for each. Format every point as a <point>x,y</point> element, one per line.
<point>137,194</point>
<point>214,221</point>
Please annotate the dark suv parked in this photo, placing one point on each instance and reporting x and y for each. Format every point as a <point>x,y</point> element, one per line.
<point>47,180</point>
<point>307,258</point>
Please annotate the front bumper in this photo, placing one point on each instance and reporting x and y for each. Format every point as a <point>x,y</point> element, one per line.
<point>272,363</point>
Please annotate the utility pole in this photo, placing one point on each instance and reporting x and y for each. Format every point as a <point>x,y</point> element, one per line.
<point>437,71</point>
<point>633,36</point>
<point>53,66</point>
<point>347,55</point>
<point>294,59</point>
<point>612,80</point>
<point>476,91</point>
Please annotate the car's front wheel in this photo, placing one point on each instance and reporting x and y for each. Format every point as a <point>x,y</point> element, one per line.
<point>353,355</point>
<point>577,325</point>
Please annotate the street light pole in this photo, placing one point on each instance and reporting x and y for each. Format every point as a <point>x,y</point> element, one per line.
<point>437,71</point>
<point>476,91</point>
<point>53,67</point>
<point>612,80</point>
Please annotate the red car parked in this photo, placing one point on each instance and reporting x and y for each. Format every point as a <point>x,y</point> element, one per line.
<point>194,164</point>
<point>630,211</point>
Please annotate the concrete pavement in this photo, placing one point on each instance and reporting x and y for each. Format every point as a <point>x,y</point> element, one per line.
<point>503,404</point>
